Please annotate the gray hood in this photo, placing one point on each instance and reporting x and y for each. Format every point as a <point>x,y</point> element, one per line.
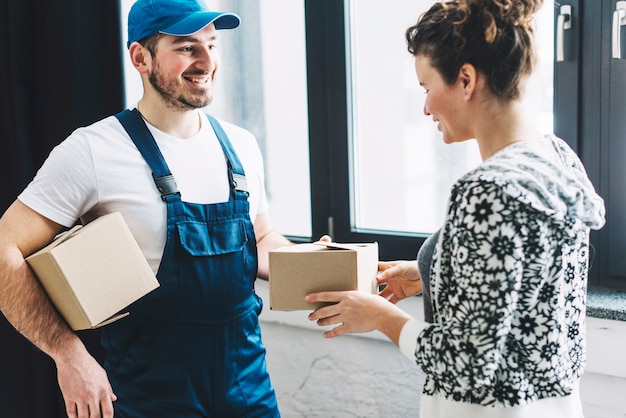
<point>548,176</point>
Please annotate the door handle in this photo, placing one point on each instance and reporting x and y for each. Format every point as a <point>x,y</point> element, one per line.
<point>563,23</point>
<point>619,20</point>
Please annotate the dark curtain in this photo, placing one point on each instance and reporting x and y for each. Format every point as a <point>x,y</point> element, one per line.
<point>60,68</point>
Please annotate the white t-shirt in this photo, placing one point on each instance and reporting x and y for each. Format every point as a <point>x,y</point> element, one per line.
<point>98,170</point>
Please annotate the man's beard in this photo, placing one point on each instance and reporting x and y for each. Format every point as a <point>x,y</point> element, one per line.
<point>168,93</point>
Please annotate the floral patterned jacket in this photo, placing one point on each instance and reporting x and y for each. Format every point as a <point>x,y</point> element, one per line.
<point>509,278</point>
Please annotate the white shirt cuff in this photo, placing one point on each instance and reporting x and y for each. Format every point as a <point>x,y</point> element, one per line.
<point>408,337</point>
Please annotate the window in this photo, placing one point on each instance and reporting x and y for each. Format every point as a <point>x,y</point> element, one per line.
<point>390,173</point>
<point>401,171</point>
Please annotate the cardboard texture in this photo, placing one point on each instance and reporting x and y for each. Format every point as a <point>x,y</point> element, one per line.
<point>93,272</point>
<point>297,270</point>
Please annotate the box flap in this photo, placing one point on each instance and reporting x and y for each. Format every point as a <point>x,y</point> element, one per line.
<point>58,240</point>
<point>298,248</point>
<point>339,246</point>
<point>111,319</point>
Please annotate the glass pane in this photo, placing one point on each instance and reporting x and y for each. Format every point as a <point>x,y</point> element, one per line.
<point>401,169</point>
<point>262,87</point>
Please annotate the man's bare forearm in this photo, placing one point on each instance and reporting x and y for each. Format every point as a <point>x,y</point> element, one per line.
<point>83,382</point>
<point>26,306</point>
<point>265,244</point>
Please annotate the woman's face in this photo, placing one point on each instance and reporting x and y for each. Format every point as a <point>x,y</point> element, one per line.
<point>445,103</point>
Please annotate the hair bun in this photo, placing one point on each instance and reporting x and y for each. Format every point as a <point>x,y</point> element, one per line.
<point>511,12</point>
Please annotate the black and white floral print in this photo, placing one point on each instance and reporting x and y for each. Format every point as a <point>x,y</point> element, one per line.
<point>509,279</point>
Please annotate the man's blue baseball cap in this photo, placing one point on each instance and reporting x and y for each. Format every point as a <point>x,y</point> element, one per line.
<point>174,17</point>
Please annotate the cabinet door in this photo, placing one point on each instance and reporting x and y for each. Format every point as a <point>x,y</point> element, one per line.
<point>590,113</point>
<point>567,71</point>
<point>614,171</point>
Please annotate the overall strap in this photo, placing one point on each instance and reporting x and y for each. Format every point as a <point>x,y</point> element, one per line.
<point>236,173</point>
<point>136,128</point>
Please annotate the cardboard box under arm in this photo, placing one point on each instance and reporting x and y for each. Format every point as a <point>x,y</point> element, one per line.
<point>93,272</point>
<point>297,270</point>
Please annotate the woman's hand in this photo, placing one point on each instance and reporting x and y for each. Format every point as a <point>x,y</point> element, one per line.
<point>401,280</point>
<point>356,312</point>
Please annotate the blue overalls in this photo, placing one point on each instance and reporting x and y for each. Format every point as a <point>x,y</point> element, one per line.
<point>192,348</point>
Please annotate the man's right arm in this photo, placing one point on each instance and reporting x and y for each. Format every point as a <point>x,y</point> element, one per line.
<point>26,306</point>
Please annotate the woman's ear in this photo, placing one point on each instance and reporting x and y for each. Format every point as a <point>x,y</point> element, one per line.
<point>140,57</point>
<point>467,79</point>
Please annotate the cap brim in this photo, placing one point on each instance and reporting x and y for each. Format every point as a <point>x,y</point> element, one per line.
<point>197,21</point>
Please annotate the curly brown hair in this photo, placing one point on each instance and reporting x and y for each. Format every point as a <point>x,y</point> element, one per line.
<point>495,36</point>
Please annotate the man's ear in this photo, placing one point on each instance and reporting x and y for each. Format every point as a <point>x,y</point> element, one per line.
<point>140,57</point>
<point>467,79</point>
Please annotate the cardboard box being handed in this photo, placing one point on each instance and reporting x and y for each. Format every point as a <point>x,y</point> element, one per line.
<point>297,270</point>
<point>93,272</point>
